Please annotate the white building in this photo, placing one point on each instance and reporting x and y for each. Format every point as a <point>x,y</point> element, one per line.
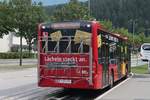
<point>8,41</point>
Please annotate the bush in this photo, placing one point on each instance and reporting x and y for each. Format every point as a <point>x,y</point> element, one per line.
<point>16,55</point>
<point>15,48</point>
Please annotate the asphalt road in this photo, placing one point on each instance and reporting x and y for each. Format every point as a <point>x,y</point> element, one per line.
<point>25,92</point>
<point>22,85</point>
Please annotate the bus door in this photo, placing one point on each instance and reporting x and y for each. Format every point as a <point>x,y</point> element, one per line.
<point>113,63</point>
<point>103,58</point>
<point>119,58</point>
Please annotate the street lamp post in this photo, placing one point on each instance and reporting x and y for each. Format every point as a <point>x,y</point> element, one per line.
<point>133,32</point>
<point>149,65</point>
<point>20,50</point>
<point>89,4</point>
<point>133,21</point>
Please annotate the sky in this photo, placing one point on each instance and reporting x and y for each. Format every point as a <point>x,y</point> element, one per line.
<point>54,2</point>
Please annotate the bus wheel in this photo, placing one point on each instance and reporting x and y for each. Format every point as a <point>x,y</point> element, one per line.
<point>111,79</point>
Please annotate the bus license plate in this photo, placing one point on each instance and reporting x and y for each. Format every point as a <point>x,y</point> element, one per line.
<point>63,81</point>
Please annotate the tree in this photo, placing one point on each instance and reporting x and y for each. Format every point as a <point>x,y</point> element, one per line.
<point>71,11</point>
<point>120,12</point>
<point>34,16</point>
<point>134,40</point>
<point>26,16</point>
<point>5,20</point>
<point>19,8</point>
<point>106,24</point>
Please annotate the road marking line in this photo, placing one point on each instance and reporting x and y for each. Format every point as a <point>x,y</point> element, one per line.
<point>101,96</point>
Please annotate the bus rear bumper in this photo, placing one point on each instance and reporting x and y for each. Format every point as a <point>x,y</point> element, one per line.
<point>65,83</point>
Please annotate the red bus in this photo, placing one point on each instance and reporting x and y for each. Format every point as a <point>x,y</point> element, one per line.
<point>80,54</point>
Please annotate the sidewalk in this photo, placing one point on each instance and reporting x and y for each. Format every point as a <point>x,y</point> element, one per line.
<point>136,88</point>
<point>16,61</point>
<point>14,79</point>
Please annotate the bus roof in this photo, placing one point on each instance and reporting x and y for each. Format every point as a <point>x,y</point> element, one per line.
<point>67,24</point>
<point>115,35</point>
<point>78,24</point>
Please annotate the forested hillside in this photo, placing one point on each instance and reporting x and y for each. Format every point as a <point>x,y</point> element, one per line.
<point>50,10</point>
<point>128,17</point>
<point>123,13</point>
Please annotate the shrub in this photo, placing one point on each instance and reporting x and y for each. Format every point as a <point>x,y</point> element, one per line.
<point>16,55</point>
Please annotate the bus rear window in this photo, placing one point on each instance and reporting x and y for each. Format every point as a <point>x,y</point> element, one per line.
<point>146,47</point>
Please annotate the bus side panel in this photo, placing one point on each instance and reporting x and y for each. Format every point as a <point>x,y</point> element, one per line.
<point>98,77</point>
<point>96,67</point>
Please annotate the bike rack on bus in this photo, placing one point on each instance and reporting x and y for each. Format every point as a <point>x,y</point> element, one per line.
<point>69,45</point>
<point>56,47</point>
<point>80,49</point>
<point>68,49</point>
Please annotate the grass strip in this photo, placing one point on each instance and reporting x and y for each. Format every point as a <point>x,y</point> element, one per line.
<point>143,69</point>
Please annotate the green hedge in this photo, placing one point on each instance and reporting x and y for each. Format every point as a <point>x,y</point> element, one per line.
<point>16,55</point>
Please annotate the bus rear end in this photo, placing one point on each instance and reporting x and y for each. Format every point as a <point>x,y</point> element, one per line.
<point>65,55</point>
